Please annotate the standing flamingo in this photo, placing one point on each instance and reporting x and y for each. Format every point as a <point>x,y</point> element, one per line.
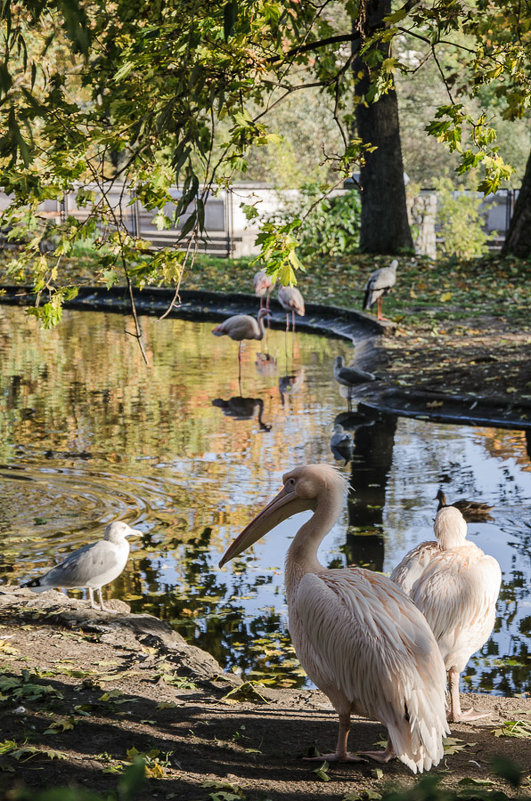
<point>455,585</point>
<point>358,636</point>
<point>240,327</point>
<point>292,301</point>
<point>380,282</point>
<point>263,285</point>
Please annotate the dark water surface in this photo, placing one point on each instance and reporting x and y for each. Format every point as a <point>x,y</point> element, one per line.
<point>180,450</point>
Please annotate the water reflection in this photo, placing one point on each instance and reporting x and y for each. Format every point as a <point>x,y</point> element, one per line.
<point>243,409</point>
<point>88,435</point>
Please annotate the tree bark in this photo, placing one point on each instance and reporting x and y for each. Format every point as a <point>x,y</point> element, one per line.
<point>518,237</point>
<point>384,222</point>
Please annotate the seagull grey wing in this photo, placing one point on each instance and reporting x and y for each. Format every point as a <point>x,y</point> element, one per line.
<point>86,567</point>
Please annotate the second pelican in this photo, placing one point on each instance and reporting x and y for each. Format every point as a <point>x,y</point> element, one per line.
<point>358,636</point>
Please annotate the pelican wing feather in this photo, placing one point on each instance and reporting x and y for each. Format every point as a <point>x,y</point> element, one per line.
<point>365,644</point>
<point>457,594</point>
<point>413,564</point>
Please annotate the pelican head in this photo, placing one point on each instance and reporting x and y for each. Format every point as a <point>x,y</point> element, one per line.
<point>304,489</point>
<point>450,527</point>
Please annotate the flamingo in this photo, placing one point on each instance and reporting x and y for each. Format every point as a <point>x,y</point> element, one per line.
<point>358,636</point>
<point>240,327</point>
<point>292,301</point>
<point>472,511</point>
<point>92,566</point>
<point>379,283</point>
<point>455,585</point>
<point>263,285</point>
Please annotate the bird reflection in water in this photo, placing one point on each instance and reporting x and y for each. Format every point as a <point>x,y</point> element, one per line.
<point>373,436</point>
<point>266,364</point>
<point>242,409</point>
<point>291,383</point>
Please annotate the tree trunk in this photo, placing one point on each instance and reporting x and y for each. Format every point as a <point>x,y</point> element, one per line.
<point>384,222</point>
<point>518,237</point>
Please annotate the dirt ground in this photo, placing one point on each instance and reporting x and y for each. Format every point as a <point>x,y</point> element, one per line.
<point>488,359</point>
<point>80,689</point>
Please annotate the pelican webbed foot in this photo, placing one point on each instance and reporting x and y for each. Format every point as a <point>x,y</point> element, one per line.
<point>466,716</point>
<point>380,756</point>
<point>335,757</point>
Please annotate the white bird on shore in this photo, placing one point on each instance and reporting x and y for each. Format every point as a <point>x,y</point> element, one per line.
<point>92,566</point>
<point>263,285</point>
<point>360,638</point>
<point>292,301</point>
<point>379,283</point>
<point>456,586</point>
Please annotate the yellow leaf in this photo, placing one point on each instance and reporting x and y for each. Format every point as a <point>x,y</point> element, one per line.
<point>445,297</point>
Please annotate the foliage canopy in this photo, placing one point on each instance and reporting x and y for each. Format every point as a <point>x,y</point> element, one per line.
<point>148,95</point>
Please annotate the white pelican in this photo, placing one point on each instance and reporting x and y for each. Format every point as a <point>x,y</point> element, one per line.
<point>263,285</point>
<point>92,566</point>
<point>292,301</point>
<point>379,283</point>
<point>358,636</point>
<point>456,586</point>
<point>472,511</point>
<point>240,327</point>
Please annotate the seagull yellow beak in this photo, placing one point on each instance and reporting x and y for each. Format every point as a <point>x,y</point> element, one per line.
<point>284,505</point>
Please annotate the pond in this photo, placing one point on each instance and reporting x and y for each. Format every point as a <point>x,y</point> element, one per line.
<point>180,450</point>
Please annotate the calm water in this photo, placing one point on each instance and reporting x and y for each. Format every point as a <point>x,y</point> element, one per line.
<point>182,451</point>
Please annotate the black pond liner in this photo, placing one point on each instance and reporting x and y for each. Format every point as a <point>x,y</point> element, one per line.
<point>329,321</point>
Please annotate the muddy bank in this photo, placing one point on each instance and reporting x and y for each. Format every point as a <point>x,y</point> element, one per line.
<point>81,688</point>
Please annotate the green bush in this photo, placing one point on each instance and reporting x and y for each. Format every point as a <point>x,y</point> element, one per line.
<point>460,222</point>
<point>329,227</point>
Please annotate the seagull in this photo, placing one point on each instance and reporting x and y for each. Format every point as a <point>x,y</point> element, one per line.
<point>358,636</point>
<point>472,511</point>
<point>92,566</point>
<point>341,443</point>
<point>380,282</point>
<point>350,376</point>
<point>292,301</point>
<point>455,586</point>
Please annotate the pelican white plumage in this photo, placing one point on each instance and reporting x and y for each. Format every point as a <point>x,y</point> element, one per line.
<point>358,636</point>
<point>92,566</point>
<point>292,301</point>
<point>263,285</point>
<point>379,283</point>
<point>456,586</point>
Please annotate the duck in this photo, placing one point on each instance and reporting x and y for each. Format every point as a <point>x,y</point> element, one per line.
<point>472,511</point>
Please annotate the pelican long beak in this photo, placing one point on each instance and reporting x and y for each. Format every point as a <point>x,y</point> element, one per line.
<point>284,505</point>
